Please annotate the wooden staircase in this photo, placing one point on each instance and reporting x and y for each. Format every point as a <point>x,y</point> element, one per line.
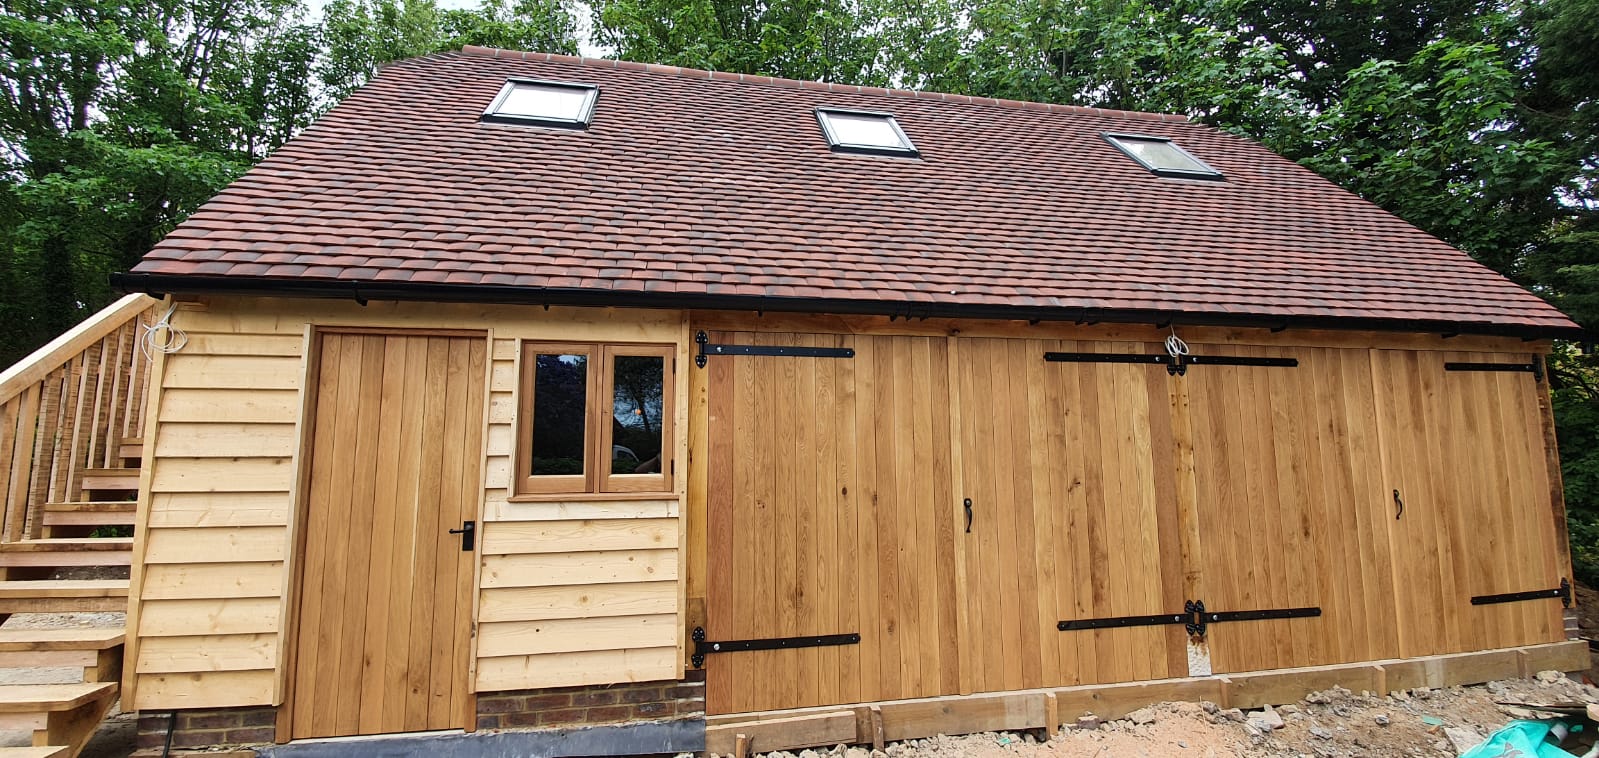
<point>71,419</point>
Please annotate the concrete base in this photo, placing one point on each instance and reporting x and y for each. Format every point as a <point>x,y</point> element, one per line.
<point>650,738</point>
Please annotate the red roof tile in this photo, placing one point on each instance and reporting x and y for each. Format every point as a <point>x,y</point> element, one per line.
<point>715,186</point>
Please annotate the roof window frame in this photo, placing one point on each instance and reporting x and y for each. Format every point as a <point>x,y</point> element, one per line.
<point>838,146</point>
<point>491,114</point>
<point>1207,174</point>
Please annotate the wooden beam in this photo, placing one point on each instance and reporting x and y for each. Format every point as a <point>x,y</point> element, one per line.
<point>830,728</point>
<point>897,720</point>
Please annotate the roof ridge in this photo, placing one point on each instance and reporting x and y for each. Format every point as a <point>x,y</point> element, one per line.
<point>694,73</point>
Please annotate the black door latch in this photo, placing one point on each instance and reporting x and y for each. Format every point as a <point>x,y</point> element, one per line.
<point>468,532</point>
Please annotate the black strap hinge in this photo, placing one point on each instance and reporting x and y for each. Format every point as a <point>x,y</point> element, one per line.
<point>1562,593</point>
<point>1120,622</point>
<point>702,647</point>
<point>707,350</point>
<point>1534,367</point>
<point>1194,618</point>
<point>1175,365</point>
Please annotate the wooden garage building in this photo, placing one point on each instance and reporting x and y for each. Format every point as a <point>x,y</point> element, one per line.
<point>524,391</point>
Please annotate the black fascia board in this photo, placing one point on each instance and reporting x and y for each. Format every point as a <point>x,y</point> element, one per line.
<point>363,291</point>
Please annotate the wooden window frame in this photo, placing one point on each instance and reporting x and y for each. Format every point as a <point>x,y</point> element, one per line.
<point>599,394</point>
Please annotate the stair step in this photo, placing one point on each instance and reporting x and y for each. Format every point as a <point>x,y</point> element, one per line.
<point>96,650</point>
<point>64,596</point>
<point>35,752</point>
<point>131,448</point>
<point>105,479</point>
<point>98,513</point>
<point>66,551</point>
<point>86,638</point>
<point>46,698</point>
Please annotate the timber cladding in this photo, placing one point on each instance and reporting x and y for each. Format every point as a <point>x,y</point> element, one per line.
<point>576,590</point>
<point>953,499</point>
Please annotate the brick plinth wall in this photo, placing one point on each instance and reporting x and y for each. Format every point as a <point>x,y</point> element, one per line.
<point>205,727</point>
<point>596,705</point>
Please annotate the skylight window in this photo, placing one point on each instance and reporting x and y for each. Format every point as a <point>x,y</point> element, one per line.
<point>864,132</point>
<point>530,101</point>
<point>1162,156</point>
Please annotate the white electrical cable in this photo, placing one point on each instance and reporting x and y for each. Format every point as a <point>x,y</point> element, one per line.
<point>162,336</point>
<point>1175,346</point>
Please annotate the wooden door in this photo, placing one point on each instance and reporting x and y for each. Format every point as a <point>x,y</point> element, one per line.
<point>829,511</point>
<point>1464,450</point>
<point>1290,508</point>
<point>1069,469</point>
<point>385,589</point>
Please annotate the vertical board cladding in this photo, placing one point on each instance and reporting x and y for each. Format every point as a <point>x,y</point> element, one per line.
<point>1288,477</point>
<point>1069,470</point>
<point>825,484</point>
<point>1464,452</point>
<point>570,593</point>
<point>835,492</point>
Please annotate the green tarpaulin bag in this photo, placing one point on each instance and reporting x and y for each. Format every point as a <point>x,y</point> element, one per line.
<point>1520,739</point>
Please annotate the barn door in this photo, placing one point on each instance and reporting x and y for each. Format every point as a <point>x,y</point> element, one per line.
<point>385,590</point>
<point>1468,492</point>
<point>1292,546</point>
<point>829,525</point>
<point>1067,468</point>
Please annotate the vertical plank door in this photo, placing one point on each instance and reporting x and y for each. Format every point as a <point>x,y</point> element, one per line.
<point>1070,472</point>
<point>1464,450</point>
<point>385,592</point>
<point>1290,508</point>
<point>828,513</point>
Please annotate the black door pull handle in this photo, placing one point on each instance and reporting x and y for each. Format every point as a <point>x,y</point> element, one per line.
<point>1399,506</point>
<point>968,515</point>
<point>468,532</point>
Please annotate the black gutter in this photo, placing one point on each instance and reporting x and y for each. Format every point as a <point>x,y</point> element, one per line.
<point>361,292</point>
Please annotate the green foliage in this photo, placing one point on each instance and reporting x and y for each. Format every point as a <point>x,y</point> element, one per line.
<point>1575,379</point>
<point>118,119</point>
<point>823,40</point>
<point>359,36</point>
<point>1435,140</point>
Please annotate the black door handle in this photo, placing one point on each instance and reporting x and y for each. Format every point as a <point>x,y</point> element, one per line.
<point>1399,506</point>
<point>968,515</point>
<point>468,532</point>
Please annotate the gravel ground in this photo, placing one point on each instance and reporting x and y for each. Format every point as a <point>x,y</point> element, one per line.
<point>1332,724</point>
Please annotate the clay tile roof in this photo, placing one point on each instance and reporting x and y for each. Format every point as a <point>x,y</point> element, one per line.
<point>712,189</point>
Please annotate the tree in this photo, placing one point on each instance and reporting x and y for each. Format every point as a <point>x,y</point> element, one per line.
<point>119,118</point>
<point>822,40</point>
<point>359,36</point>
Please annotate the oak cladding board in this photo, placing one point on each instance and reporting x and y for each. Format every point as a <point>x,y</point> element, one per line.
<point>576,635</point>
<point>567,669</point>
<point>223,463</point>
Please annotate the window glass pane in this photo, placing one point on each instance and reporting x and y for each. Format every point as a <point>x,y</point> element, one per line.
<point>636,414</point>
<point>542,101</point>
<point>1162,154</point>
<point>876,131</point>
<point>560,394</point>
